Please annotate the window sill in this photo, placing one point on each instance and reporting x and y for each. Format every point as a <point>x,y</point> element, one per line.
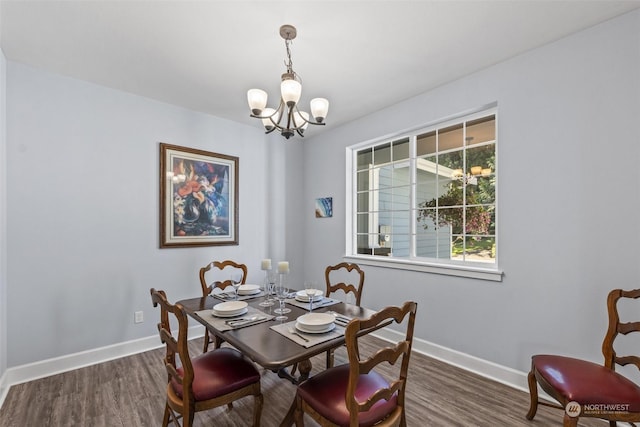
<point>491,274</point>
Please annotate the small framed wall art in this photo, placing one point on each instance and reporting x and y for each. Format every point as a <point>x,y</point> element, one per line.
<point>324,207</point>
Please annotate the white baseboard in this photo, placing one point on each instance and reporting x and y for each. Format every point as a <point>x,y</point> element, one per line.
<point>32,371</point>
<point>4,388</point>
<point>502,374</point>
<point>69,362</point>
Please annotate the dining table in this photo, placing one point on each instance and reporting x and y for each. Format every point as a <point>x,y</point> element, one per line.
<point>265,342</point>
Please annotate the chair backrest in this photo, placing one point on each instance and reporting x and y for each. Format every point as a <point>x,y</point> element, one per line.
<point>220,265</point>
<point>344,270</point>
<point>175,346</point>
<point>617,327</point>
<point>389,354</point>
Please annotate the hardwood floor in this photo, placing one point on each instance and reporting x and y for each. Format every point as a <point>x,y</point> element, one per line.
<point>131,392</point>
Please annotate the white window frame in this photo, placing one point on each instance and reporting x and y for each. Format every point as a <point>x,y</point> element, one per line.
<point>490,272</point>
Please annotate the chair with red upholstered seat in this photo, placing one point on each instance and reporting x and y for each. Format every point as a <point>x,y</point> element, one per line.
<point>587,389</point>
<point>342,277</point>
<point>228,267</point>
<point>212,379</point>
<point>362,392</point>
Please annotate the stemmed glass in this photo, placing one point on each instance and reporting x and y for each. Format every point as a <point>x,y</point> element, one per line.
<point>281,294</point>
<point>270,281</point>
<point>273,278</point>
<point>310,289</point>
<point>236,280</point>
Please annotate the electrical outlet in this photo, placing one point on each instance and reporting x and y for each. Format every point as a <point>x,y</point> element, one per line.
<point>138,317</point>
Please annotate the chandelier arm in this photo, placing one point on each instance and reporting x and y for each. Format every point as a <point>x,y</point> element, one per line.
<point>305,120</point>
<point>270,116</point>
<point>280,111</point>
<point>290,118</point>
<point>293,113</point>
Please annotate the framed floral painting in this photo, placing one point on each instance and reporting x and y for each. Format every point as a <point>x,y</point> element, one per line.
<point>198,198</point>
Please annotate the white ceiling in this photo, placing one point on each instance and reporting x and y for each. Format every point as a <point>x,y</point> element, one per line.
<point>361,55</point>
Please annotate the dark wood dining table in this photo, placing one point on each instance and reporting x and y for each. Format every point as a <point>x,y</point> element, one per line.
<point>267,347</point>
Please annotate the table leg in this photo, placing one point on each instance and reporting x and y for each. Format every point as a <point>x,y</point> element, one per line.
<point>289,420</point>
<point>304,367</point>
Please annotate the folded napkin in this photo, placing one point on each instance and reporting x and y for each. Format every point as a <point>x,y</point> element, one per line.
<point>311,339</point>
<point>341,319</point>
<point>253,316</point>
<point>324,302</point>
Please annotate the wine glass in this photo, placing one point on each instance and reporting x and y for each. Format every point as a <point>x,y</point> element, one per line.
<point>281,294</point>
<point>310,290</point>
<point>273,278</point>
<point>236,281</point>
<point>270,281</point>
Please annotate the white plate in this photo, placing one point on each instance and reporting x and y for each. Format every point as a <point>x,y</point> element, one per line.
<point>328,328</point>
<point>248,289</point>
<point>316,321</point>
<point>315,299</point>
<point>219,314</point>
<point>230,307</point>
<point>303,294</point>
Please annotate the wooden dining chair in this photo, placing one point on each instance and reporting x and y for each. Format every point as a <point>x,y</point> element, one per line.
<point>207,288</point>
<point>587,389</point>
<point>359,393</point>
<point>341,277</point>
<point>225,267</point>
<point>212,379</point>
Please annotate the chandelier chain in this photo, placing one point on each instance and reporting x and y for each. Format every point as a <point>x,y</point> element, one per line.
<point>289,62</point>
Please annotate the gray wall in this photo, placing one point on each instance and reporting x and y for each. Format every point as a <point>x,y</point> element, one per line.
<point>3,219</point>
<point>568,152</point>
<point>81,205</point>
<point>82,209</point>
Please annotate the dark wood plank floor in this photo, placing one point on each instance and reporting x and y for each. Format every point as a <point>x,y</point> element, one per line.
<point>130,392</point>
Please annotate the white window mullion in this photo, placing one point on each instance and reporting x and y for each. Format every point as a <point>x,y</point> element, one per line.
<point>374,205</point>
<point>465,168</point>
<point>413,204</point>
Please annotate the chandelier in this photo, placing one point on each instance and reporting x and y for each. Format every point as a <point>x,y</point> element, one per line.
<point>287,118</point>
<point>471,178</point>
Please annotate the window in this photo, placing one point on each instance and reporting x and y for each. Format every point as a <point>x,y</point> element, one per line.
<point>428,196</point>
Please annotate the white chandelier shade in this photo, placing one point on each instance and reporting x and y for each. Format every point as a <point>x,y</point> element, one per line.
<point>319,109</point>
<point>291,91</point>
<point>257,100</point>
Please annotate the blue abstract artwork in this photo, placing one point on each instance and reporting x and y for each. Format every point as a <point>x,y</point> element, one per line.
<point>324,207</point>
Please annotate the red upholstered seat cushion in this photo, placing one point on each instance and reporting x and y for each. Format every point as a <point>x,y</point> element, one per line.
<point>586,382</point>
<point>218,372</point>
<point>325,393</point>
